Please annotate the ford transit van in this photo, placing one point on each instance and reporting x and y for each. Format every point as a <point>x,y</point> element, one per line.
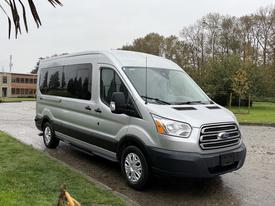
<point>139,110</point>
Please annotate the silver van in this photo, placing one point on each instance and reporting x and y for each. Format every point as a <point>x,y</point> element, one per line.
<point>137,109</point>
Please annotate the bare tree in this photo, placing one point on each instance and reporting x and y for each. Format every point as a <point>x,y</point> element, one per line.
<point>213,24</point>
<point>14,16</point>
<point>264,21</point>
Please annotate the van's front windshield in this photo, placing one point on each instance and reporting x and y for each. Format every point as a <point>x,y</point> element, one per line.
<point>166,86</point>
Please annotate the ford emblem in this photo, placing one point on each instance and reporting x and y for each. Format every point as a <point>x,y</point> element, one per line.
<point>223,135</point>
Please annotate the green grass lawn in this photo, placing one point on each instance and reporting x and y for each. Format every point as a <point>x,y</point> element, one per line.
<point>15,99</point>
<point>261,112</point>
<point>30,177</point>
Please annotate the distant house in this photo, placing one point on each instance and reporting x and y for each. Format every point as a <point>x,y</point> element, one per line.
<point>17,85</point>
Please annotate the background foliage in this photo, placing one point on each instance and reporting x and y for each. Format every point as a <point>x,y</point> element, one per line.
<point>223,54</point>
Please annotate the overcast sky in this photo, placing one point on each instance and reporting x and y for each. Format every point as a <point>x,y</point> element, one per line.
<point>107,24</point>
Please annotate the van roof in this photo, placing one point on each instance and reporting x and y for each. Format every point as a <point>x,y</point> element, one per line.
<point>126,58</point>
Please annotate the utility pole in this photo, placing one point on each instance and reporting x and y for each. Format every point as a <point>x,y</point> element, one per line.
<point>11,64</point>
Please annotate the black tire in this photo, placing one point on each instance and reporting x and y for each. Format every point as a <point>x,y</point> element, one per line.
<point>140,182</point>
<point>50,141</point>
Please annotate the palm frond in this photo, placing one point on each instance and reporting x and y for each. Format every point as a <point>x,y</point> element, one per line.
<point>34,13</point>
<point>16,15</point>
<point>55,2</point>
<point>24,16</point>
<point>9,20</point>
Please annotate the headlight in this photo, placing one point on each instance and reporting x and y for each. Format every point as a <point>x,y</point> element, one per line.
<point>171,127</point>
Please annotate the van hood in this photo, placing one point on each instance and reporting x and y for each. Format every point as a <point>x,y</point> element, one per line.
<point>195,115</point>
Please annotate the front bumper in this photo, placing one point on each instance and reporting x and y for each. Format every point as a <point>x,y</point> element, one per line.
<point>186,164</point>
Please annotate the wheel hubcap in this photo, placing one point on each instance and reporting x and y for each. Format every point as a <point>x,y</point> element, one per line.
<point>47,135</point>
<point>133,167</point>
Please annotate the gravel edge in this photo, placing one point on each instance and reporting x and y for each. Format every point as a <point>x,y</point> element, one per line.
<point>257,124</point>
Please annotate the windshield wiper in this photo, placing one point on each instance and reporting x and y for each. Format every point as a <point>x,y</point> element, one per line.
<point>191,102</point>
<point>156,99</point>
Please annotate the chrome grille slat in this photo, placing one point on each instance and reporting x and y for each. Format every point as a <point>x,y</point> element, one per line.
<point>220,131</point>
<point>214,134</point>
<point>220,140</point>
<point>222,146</point>
<point>211,136</point>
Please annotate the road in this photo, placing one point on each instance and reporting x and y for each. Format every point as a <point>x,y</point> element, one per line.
<point>254,184</point>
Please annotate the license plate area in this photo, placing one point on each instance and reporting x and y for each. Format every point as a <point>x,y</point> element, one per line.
<point>227,159</point>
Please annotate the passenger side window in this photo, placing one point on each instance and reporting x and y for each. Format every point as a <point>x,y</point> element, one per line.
<point>77,81</point>
<point>73,81</point>
<point>110,82</point>
<point>53,81</point>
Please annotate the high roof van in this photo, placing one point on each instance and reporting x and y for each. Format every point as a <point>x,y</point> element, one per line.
<point>139,110</point>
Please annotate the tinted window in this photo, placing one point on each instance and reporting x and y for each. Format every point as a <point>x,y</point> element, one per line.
<point>110,83</point>
<point>53,81</point>
<point>72,81</point>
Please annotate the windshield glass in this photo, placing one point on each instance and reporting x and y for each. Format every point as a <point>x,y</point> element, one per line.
<point>166,86</point>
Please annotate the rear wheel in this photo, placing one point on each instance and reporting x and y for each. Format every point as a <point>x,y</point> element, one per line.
<point>134,167</point>
<point>49,137</point>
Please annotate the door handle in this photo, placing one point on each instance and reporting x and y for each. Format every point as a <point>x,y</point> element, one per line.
<point>88,108</point>
<point>98,110</point>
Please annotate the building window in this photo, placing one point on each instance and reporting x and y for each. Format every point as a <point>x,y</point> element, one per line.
<point>17,91</point>
<point>26,81</point>
<point>34,81</point>
<point>22,80</point>
<point>13,80</point>
<point>13,91</point>
<point>31,81</point>
<point>5,79</point>
<point>17,80</point>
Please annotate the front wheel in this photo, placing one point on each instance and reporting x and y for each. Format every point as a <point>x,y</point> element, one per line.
<point>134,167</point>
<point>49,137</point>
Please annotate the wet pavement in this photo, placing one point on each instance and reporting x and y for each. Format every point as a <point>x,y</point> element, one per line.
<point>254,184</point>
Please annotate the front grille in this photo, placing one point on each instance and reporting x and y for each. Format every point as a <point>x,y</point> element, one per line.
<point>218,136</point>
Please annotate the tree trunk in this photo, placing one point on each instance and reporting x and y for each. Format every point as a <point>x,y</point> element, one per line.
<point>230,100</point>
<point>239,103</point>
<point>249,103</point>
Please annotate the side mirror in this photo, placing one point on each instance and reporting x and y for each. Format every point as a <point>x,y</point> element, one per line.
<point>118,103</point>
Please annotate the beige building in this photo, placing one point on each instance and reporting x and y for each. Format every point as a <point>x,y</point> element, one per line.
<point>17,85</point>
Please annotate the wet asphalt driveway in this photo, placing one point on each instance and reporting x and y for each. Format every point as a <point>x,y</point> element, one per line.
<point>254,184</point>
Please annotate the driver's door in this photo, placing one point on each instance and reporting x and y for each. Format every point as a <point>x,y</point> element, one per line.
<point>110,125</point>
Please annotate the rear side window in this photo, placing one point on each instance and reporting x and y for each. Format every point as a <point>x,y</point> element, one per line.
<point>74,81</point>
<point>110,82</point>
